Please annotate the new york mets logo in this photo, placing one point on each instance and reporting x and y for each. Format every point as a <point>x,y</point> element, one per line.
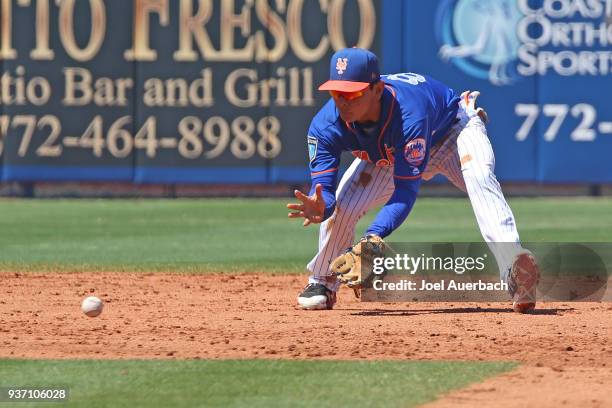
<point>414,152</point>
<point>341,65</point>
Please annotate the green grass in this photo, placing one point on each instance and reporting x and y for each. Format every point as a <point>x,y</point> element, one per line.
<point>239,234</point>
<point>246,383</point>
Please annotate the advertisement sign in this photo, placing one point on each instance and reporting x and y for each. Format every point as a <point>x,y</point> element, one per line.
<point>542,67</point>
<point>160,91</point>
<point>195,91</point>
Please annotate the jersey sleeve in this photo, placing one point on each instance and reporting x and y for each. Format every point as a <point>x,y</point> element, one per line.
<point>411,157</point>
<point>324,161</point>
<point>412,151</point>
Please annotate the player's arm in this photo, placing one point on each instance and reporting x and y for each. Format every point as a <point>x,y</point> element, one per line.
<point>410,162</point>
<point>396,210</point>
<point>320,202</point>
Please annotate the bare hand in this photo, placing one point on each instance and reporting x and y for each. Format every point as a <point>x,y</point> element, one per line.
<point>312,207</point>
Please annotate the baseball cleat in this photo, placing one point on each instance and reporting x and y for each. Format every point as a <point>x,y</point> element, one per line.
<point>316,296</point>
<point>525,276</point>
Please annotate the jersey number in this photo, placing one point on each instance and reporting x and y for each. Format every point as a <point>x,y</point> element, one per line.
<point>408,77</point>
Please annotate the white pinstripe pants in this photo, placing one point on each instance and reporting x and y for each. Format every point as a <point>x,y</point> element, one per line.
<point>465,158</point>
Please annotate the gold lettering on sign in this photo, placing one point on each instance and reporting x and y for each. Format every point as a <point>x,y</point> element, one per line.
<point>140,50</point>
<point>177,92</point>
<point>192,27</point>
<point>230,21</point>
<point>294,86</point>
<point>18,90</point>
<point>6,31</point>
<point>230,88</point>
<point>308,98</point>
<point>77,91</point>
<point>38,98</point>
<point>20,98</point>
<point>81,89</point>
<point>244,89</point>
<point>278,28</point>
<point>6,95</point>
<point>275,26</point>
<point>296,40</point>
<point>200,90</point>
<point>367,24</point>
<point>98,29</point>
<point>42,50</point>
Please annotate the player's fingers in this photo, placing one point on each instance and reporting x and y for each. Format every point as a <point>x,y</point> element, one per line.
<point>312,220</point>
<point>300,196</point>
<point>295,206</point>
<point>298,214</point>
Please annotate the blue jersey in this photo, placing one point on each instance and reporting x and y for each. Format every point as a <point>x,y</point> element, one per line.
<point>417,111</point>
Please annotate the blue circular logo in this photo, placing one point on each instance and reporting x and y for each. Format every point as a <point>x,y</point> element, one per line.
<point>414,151</point>
<point>479,37</point>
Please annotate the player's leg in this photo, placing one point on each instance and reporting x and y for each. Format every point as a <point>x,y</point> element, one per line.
<point>469,163</point>
<point>476,161</point>
<point>362,187</point>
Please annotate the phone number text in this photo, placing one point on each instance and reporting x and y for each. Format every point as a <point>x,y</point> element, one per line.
<point>197,138</point>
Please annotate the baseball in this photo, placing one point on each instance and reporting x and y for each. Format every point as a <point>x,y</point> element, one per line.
<point>92,306</point>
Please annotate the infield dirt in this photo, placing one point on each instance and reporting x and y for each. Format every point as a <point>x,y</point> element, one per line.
<point>565,349</point>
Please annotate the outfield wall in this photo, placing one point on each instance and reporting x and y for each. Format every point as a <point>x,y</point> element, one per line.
<point>174,92</point>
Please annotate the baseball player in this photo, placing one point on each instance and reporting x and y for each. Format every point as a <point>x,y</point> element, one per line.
<point>402,129</point>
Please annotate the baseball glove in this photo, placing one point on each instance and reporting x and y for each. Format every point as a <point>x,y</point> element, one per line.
<point>354,267</point>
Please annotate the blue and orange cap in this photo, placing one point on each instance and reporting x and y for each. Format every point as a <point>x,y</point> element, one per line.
<point>351,70</point>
